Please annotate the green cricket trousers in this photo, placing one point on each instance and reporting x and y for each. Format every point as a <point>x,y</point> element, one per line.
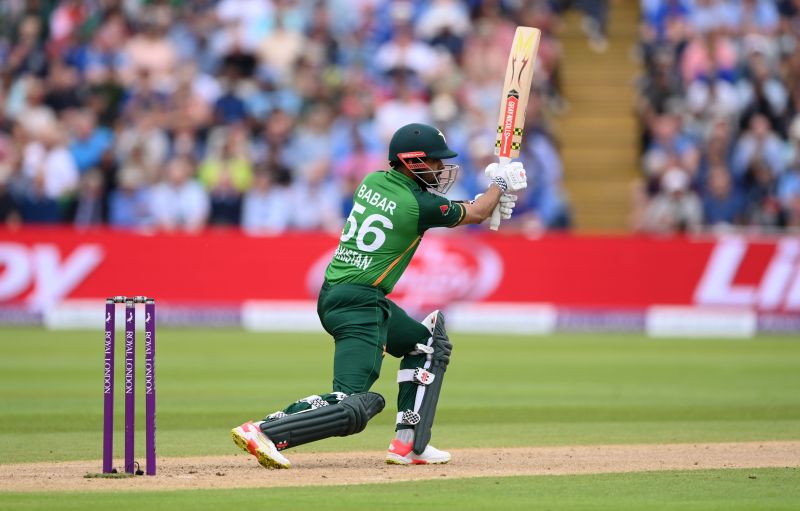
<point>365,325</point>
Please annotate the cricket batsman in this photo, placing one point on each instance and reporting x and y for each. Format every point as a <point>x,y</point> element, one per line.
<point>391,212</point>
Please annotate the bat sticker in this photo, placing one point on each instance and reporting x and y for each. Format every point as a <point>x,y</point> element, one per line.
<point>521,50</point>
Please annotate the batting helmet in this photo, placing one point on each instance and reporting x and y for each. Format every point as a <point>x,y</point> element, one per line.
<point>416,137</point>
<point>412,144</point>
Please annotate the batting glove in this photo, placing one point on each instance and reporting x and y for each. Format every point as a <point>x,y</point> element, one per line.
<point>510,177</point>
<point>507,203</point>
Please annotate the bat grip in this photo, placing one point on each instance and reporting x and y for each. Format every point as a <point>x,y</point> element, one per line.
<point>494,221</point>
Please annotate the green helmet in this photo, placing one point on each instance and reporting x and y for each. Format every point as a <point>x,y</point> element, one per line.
<point>419,138</point>
<point>412,143</point>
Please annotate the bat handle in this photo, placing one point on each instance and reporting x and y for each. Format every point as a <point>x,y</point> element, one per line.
<point>494,221</point>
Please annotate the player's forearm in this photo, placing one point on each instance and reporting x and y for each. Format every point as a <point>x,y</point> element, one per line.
<point>481,209</point>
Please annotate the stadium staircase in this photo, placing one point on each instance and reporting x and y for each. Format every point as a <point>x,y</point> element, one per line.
<point>598,132</point>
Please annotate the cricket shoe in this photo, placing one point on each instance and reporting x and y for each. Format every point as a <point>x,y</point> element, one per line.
<point>251,439</point>
<point>402,454</point>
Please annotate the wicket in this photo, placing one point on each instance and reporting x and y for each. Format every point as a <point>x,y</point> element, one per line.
<point>131,466</point>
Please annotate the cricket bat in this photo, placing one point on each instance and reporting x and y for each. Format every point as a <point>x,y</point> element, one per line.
<point>514,100</point>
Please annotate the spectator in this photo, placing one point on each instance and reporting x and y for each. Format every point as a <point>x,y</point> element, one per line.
<point>90,141</point>
<point>37,207</point>
<point>229,107</point>
<point>712,16</point>
<point>314,141</point>
<point>129,204</point>
<point>758,144</point>
<point>239,61</point>
<point>63,89</point>
<point>105,53</point>
<point>26,105</point>
<point>676,208</point>
<point>245,20</point>
<point>229,159</point>
<point>88,209</point>
<point>488,45</point>
<point>321,200</point>
<point>404,107</point>
<point>669,148</point>
<point>403,53</point>
<point>144,144</point>
<point>718,148</point>
<point>226,200</point>
<point>444,23</point>
<point>279,50</point>
<point>358,160</point>
<point>48,162</point>
<point>193,99</point>
<point>757,17</point>
<point>789,196</point>
<point>761,189</point>
<point>151,53</point>
<point>144,96</point>
<point>27,55</point>
<point>179,203</point>
<point>789,184</point>
<point>709,58</point>
<point>659,89</point>
<point>9,209</point>
<point>267,206</point>
<point>105,96</point>
<point>64,22</point>
<point>723,205</point>
<point>763,94</point>
<point>664,22</point>
<point>709,65</point>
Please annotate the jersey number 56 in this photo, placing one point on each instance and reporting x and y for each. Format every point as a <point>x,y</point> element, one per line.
<point>367,227</point>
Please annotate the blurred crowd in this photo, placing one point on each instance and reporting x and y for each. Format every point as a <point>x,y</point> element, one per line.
<point>720,115</point>
<point>175,115</point>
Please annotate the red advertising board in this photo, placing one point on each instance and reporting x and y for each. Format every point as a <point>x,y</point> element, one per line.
<point>42,266</point>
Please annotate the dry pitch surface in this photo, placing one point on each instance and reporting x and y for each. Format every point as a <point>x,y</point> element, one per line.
<point>242,471</point>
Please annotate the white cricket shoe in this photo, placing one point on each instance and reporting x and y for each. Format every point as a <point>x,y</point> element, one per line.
<point>402,454</point>
<point>251,439</point>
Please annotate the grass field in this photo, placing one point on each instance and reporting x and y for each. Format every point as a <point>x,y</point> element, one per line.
<point>500,392</point>
<point>722,490</point>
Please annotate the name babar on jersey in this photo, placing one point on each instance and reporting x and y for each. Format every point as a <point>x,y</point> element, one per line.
<point>374,198</point>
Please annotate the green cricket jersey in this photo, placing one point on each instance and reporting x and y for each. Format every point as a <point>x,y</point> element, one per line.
<point>390,214</point>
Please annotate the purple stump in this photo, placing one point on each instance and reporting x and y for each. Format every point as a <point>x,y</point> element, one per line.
<point>130,382</point>
<point>108,390</point>
<point>150,384</point>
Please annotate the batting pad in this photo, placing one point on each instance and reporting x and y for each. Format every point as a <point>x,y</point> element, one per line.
<point>438,360</point>
<point>346,418</point>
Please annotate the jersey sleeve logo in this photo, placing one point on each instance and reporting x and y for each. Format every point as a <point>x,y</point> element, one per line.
<point>444,209</point>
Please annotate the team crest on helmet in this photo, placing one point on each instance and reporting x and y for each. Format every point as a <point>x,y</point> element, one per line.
<point>444,209</point>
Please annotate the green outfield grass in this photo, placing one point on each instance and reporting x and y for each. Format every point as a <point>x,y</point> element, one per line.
<point>723,490</point>
<point>500,391</point>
